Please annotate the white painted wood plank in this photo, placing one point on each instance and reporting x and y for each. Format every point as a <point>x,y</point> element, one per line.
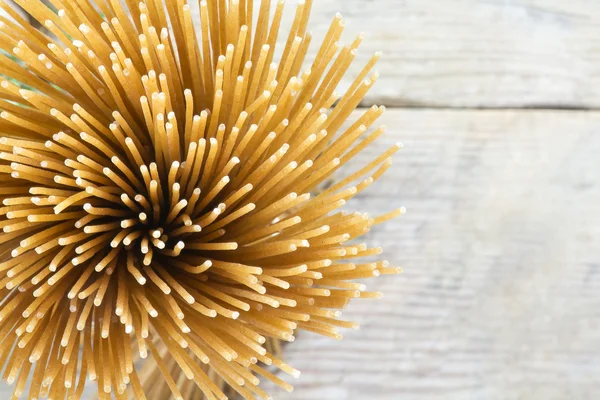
<point>501,253</point>
<point>472,53</point>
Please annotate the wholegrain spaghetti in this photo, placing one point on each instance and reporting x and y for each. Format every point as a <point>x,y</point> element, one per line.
<point>157,179</point>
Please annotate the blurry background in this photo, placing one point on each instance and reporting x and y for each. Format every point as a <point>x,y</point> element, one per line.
<point>500,297</point>
<point>495,103</point>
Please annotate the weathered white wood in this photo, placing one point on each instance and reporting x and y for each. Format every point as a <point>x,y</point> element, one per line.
<point>472,53</point>
<point>500,248</point>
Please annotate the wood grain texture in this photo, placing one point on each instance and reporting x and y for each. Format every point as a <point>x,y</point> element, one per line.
<point>500,248</point>
<point>473,53</point>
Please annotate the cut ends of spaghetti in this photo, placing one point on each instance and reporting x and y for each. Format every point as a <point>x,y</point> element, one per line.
<point>172,189</point>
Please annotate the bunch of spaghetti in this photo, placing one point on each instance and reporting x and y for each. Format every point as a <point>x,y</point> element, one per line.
<point>156,186</point>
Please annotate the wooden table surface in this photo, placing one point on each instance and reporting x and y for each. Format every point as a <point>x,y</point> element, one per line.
<point>500,295</point>
<point>500,247</point>
<point>474,53</point>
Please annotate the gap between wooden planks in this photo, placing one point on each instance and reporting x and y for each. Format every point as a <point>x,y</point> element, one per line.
<point>500,248</point>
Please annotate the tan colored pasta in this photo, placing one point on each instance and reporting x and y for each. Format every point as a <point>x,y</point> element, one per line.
<point>156,184</point>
